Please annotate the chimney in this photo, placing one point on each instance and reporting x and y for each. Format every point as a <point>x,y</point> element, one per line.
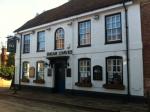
<point>4,56</point>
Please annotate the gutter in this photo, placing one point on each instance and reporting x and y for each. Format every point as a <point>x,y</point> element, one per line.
<point>20,62</point>
<point>127,47</point>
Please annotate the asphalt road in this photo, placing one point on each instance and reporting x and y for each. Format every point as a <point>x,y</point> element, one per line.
<point>11,104</point>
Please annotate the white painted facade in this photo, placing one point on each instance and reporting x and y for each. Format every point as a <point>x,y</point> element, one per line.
<point>97,52</point>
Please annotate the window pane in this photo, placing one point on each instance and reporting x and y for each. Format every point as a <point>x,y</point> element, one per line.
<point>26,44</point>
<point>41,41</point>
<point>59,39</point>
<point>114,70</point>
<point>85,33</point>
<point>113,28</point>
<point>25,69</point>
<point>84,70</point>
<point>40,70</point>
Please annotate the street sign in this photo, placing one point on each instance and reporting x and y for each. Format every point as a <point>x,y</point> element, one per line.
<point>11,45</point>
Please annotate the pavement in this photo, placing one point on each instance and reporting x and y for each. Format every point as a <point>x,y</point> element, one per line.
<point>83,102</point>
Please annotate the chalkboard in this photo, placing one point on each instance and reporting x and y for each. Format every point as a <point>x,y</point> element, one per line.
<point>97,73</point>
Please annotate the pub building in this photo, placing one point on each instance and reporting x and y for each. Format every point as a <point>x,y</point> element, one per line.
<point>88,46</point>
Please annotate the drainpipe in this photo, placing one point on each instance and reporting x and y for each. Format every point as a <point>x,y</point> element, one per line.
<point>127,47</point>
<point>20,62</point>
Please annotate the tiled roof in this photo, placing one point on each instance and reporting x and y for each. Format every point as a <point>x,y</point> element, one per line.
<point>71,8</point>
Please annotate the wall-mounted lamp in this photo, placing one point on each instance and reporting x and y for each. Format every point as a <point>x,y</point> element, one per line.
<point>70,24</point>
<point>96,17</point>
<point>68,46</point>
<point>68,64</point>
<point>46,64</point>
<point>49,29</point>
<point>33,32</point>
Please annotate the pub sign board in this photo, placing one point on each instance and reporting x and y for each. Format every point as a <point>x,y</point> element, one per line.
<point>11,45</point>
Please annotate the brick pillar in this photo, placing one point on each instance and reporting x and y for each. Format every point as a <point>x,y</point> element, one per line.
<point>145,18</point>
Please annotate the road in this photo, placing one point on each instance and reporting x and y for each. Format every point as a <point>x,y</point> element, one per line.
<point>11,104</point>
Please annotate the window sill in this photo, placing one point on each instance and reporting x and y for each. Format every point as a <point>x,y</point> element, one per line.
<point>40,51</point>
<point>26,80</point>
<point>113,42</point>
<point>114,86</point>
<point>80,46</point>
<point>39,81</point>
<point>83,84</point>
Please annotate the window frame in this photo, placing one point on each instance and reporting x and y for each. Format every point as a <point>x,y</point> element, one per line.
<point>79,75</point>
<point>114,57</point>
<point>79,44</point>
<point>37,70</point>
<point>23,73</point>
<point>55,39</point>
<point>24,45</point>
<point>116,41</point>
<point>38,50</point>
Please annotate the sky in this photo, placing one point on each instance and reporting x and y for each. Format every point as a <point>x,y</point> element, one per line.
<point>14,13</point>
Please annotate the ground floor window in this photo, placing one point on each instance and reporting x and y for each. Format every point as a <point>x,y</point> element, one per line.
<point>25,72</point>
<point>114,70</point>
<point>114,73</point>
<point>40,70</point>
<point>84,78</point>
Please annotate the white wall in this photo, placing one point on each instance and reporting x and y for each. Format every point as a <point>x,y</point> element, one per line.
<point>97,52</point>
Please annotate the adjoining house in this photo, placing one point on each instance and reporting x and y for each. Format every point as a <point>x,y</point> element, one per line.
<point>88,46</point>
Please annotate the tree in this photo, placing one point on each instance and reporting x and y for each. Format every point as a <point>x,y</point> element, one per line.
<point>7,72</point>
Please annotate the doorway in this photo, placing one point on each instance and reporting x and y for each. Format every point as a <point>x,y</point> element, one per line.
<point>60,76</point>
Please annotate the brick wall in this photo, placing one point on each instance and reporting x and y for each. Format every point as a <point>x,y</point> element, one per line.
<point>145,16</point>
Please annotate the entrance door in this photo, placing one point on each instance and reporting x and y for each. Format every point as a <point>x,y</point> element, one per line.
<point>60,77</point>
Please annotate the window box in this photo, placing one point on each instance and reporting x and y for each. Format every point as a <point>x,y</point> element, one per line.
<point>83,84</point>
<point>114,86</point>
<point>39,81</point>
<point>25,79</point>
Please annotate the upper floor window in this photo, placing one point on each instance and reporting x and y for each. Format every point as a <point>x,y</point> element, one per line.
<point>25,70</point>
<point>41,41</point>
<point>113,28</point>
<point>114,70</point>
<point>40,70</point>
<point>59,39</point>
<point>26,44</point>
<point>84,33</point>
